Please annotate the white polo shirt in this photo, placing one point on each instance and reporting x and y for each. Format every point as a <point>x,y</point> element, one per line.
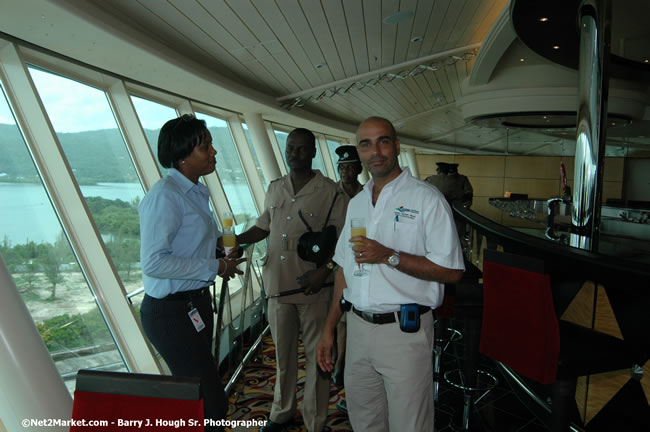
<point>410,216</point>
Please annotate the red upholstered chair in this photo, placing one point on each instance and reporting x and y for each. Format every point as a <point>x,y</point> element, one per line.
<point>521,330</point>
<point>161,403</point>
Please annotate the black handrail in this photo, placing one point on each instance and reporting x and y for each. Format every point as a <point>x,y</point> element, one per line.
<point>597,266</point>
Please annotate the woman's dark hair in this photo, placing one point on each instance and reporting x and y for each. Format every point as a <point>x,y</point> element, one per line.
<point>177,139</point>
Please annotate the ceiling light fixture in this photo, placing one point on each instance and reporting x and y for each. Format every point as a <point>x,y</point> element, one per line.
<point>560,121</point>
<point>543,19</point>
<point>398,17</point>
<point>376,80</point>
<point>556,47</point>
<point>521,59</point>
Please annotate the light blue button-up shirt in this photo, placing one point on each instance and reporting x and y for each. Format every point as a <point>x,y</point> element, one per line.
<point>178,237</point>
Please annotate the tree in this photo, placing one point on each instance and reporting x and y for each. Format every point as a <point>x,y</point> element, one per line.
<point>125,251</point>
<point>7,251</point>
<point>54,259</point>
<point>27,257</point>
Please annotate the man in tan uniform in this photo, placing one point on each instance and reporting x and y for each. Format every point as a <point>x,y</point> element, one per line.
<point>302,192</point>
<point>349,167</point>
<point>455,187</point>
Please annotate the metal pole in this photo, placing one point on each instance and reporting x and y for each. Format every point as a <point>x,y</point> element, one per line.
<point>593,88</point>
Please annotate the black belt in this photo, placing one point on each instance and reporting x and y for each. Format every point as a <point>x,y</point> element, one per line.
<point>187,295</point>
<point>383,318</point>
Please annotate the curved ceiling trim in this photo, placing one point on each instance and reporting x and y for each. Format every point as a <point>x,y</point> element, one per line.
<point>495,45</point>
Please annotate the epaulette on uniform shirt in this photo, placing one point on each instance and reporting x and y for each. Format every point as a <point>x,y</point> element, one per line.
<point>329,180</point>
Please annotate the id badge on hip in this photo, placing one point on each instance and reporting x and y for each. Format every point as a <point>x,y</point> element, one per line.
<point>196,320</point>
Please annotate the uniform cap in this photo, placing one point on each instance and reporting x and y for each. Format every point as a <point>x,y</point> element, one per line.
<point>347,154</point>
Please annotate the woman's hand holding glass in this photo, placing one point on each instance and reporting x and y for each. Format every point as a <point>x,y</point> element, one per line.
<point>228,236</point>
<point>230,270</point>
<point>231,249</point>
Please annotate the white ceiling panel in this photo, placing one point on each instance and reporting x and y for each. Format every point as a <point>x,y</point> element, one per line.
<point>406,60</point>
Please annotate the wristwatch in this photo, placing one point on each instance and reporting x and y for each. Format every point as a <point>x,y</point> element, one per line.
<point>393,260</point>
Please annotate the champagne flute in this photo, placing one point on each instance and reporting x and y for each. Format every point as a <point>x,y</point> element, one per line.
<point>358,228</point>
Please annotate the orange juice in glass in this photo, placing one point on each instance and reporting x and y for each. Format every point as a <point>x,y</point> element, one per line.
<point>358,228</point>
<point>228,236</point>
<point>228,220</point>
<point>358,231</point>
<point>229,240</point>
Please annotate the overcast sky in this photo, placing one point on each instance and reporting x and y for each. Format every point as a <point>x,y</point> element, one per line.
<point>75,107</point>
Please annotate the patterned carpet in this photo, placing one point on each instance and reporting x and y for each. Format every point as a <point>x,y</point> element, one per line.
<point>252,396</point>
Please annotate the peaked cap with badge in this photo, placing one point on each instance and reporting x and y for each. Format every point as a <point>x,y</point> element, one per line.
<point>347,154</point>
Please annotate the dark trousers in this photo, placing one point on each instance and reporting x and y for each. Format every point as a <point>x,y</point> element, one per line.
<point>186,351</point>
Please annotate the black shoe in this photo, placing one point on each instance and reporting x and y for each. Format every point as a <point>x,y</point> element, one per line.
<point>272,426</point>
<point>342,406</point>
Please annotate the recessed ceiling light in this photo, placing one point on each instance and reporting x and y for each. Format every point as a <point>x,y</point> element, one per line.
<point>416,39</point>
<point>543,19</point>
<point>521,59</point>
<point>556,47</point>
<point>398,17</point>
<point>646,61</point>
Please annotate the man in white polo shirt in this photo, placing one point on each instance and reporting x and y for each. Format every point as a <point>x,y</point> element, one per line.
<point>410,250</point>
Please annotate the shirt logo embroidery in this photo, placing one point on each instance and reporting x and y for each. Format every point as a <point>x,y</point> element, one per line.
<point>403,212</point>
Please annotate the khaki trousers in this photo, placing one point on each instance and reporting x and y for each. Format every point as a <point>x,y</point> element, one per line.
<point>287,321</point>
<point>389,376</point>
<point>340,344</point>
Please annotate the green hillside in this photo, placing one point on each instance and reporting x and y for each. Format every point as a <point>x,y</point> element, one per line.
<point>96,156</point>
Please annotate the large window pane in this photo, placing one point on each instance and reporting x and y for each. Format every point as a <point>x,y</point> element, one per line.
<point>332,146</point>
<point>234,182</point>
<point>257,161</point>
<point>85,125</point>
<point>43,267</point>
<point>317,162</point>
<point>230,170</point>
<point>152,117</point>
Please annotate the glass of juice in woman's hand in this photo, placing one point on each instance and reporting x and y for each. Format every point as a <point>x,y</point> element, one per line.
<point>229,239</point>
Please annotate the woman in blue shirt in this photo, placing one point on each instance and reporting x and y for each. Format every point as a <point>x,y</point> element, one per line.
<point>179,238</point>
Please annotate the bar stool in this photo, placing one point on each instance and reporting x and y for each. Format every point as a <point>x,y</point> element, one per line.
<point>474,383</point>
<point>445,335</point>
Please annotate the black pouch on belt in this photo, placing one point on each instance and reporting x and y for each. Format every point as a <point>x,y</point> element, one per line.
<point>318,246</point>
<point>409,317</point>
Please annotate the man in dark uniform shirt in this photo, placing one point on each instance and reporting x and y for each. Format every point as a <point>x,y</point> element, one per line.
<point>349,167</point>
